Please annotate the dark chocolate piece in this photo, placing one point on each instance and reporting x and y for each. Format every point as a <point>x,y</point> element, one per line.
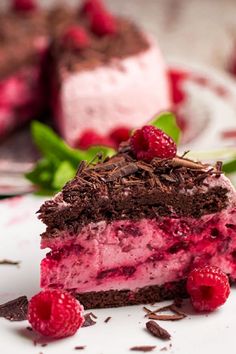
<point>15,310</point>
<point>143,348</point>
<point>157,331</point>
<point>88,320</point>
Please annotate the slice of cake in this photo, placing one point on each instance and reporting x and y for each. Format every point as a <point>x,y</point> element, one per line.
<point>108,73</point>
<point>129,230</point>
<point>23,39</point>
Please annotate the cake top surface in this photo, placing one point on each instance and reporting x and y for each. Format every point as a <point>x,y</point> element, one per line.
<point>24,36</point>
<point>122,187</point>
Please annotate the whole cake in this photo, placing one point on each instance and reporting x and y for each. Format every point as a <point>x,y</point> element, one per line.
<point>95,70</point>
<point>129,229</point>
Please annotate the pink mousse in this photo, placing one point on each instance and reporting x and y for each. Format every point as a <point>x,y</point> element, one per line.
<point>126,254</point>
<point>124,93</point>
<point>21,98</point>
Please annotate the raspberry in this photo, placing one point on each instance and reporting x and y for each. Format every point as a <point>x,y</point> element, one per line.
<point>23,5</point>
<point>75,37</point>
<point>89,7</point>
<point>103,23</point>
<point>91,138</point>
<point>149,142</point>
<point>55,314</point>
<point>208,288</point>
<point>119,134</point>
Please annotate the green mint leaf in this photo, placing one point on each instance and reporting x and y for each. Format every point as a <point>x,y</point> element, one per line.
<point>64,173</point>
<point>53,147</point>
<point>166,121</point>
<point>229,167</point>
<point>42,174</point>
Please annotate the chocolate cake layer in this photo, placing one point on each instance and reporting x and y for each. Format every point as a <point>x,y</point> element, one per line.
<point>122,188</point>
<point>146,295</point>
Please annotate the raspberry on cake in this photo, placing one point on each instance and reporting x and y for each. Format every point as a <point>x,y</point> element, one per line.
<point>126,231</point>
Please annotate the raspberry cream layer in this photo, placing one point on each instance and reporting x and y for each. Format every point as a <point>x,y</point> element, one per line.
<point>135,254</point>
<point>124,92</point>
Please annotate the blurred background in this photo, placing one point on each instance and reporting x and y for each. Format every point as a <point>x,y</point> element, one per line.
<point>196,30</point>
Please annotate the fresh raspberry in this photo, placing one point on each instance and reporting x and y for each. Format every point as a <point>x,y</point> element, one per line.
<point>24,5</point>
<point>91,138</point>
<point>89,7</point>
<point>103,23</point>
<point>75,37</point>
<point>55,314</point>
<point>208,288</point>
<point>120,134</point>
<point>149,142</point>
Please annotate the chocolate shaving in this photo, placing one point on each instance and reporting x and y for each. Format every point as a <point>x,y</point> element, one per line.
<point>178,315</point>
<point>143,348</point>
<point>125,171</point>
<point>15,310</point>
<point>166,317</point>
<point>88,320</point>
<point>107,319</point>
<point>9,262</point>
<point>30,329</point>
<point>182,162</point>
<point>80,347</point>
<point>157,331</point>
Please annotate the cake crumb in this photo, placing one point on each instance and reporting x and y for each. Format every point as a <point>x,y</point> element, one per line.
<point>143,348</point>
<point>88,320</point>
<point>107,319</point>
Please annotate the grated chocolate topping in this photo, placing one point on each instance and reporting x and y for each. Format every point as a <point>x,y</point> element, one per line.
<point>124,188</point>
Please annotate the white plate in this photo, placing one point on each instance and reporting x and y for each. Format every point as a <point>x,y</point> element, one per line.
<point>19,239</point>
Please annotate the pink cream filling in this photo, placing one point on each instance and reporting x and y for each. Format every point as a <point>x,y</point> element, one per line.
<point>20,98</point>
<point>128,254</point>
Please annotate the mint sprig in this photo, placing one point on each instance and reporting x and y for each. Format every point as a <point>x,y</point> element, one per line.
<point>166,121</point>
<point>59,162</point>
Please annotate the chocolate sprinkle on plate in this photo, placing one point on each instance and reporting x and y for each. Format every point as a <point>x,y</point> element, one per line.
<point>88,320</point>
<point>107,319</point>
<point>80,347</point>
<point>144,348</point>
<point>15,310</point>
<point>157,331</point>
<point>9,262</point>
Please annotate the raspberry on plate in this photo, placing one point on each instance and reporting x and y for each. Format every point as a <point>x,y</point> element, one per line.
<point>75,37</point>
<point>208,288</point>
<point>149,142</point>
<point>55,314</point>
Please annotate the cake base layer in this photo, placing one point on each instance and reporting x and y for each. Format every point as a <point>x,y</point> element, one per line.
<point>146,295</point>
